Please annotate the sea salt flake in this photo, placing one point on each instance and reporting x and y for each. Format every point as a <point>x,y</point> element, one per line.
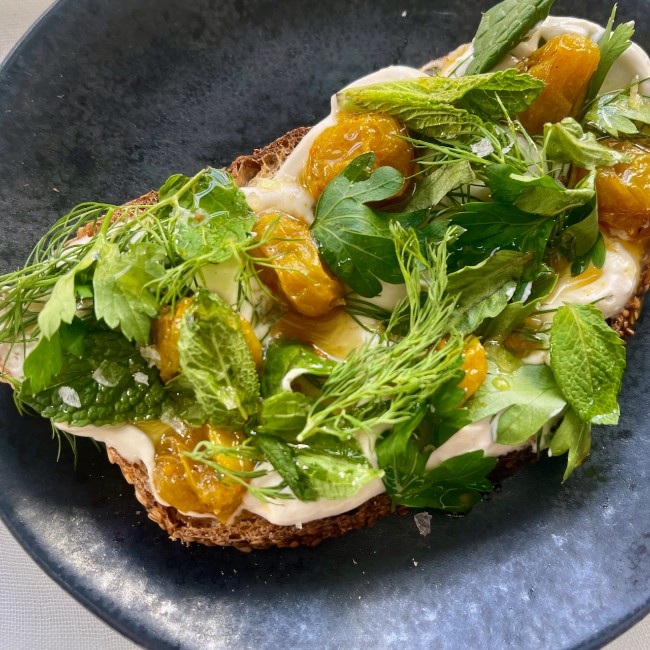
<point>404,13</point>
<point>150,354</point>
<point>69,396</point>
<point>423,522</point>
<point>482,148</point>
<point>108,374</point>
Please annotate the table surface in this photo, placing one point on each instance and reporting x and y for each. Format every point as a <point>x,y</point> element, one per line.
<point>34,611</point>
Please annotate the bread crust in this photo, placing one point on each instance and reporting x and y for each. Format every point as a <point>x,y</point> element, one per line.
<point>251,531</point>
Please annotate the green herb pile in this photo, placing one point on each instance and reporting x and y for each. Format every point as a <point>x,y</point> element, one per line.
<point>84,310</point>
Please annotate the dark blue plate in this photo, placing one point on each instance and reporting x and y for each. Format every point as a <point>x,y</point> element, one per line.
<point>103,100</point>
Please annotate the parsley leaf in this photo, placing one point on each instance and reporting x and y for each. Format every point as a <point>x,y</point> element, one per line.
<point>616,113</point>
<point>61,305</point>
<point>528,397</point>
<point>490,227</point>
<point>502,27</point>
<point>454,486</point>
<point>289,359</point>
<point>541,195</point>
<point>46,359</point>
<point>483,291</point>
<point>611,46</point>
<point>353,239</point>
<point>216,362</point>
<point>121,296</point>
<point>284,412</point>
<point>566,142</point>
<point>587,359</point>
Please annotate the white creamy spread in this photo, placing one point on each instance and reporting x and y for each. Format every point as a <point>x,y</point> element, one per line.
<point>474,437</point>
<point>288,512</point>
<point>284,192</point>
<point>608,289</point>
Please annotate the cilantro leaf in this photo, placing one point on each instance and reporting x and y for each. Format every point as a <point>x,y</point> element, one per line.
<point>616,113</point>
<point>566,142</point>
<point>502,27</point>
<point>490,227</point>
<point>587,359</point>
<point>611,46</point>
<point>446,107</point>
<point>216,362</point>
<point>541,195</point>
<point>354,240</point>
<point>121,296</point>
<point>211,215</point>
<point>574,436</point>
<point>483,291</point>
<point>81,392</point>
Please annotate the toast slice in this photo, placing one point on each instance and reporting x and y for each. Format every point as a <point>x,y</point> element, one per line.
<point>250,531</point>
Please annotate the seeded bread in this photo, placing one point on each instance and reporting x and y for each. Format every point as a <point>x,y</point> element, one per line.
<point>251,531</point>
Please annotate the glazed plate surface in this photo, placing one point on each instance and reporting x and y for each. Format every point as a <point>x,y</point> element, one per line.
<point>105,99</point>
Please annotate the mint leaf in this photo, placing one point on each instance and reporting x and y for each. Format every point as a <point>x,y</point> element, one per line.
<point>521,421</point>
<point>446,107</point>
<point>587,359</point>
<point>574,436</point>
<point>490,227</point>
<point>580,236</point>
<point>354,241</point>
<point>611,46</point>
<point>483,291</point>
<point>433,187</point>
<point>120,283</point>
<point>332,477</point>
<point>540,195</point>
<point>212,215</point>
<point>284,414</point>
<point>415,108</point>
<point>616,113</point>
<point>327,468</point>
<point>502,27</point>
<point>528,397</point>
<point>566,142</point>
<point>216,361</point>
<point>82,392</point>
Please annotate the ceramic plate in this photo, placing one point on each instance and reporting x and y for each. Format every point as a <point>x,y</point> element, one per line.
<point>103,100</point>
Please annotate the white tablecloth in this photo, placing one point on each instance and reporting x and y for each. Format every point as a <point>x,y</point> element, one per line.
<point>34,611</point>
